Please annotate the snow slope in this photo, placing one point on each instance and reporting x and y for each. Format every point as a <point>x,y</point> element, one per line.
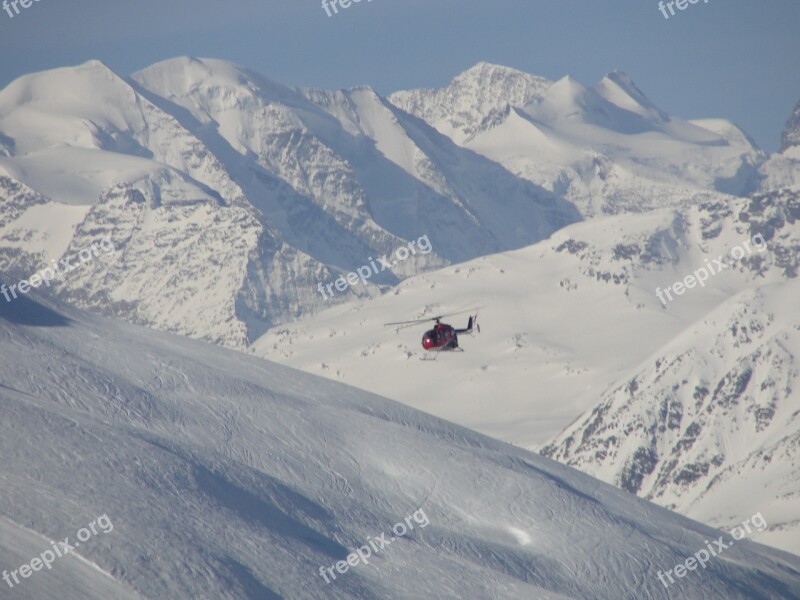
<point>226,476</point>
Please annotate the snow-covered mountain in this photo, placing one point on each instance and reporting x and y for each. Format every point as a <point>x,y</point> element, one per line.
<point>243,193</point>
<point>608,148</point>
<point>257,192</point>
<point>564,322</point>
<point>714,413</point>
<point>359,162</point>
<point>226,476</point>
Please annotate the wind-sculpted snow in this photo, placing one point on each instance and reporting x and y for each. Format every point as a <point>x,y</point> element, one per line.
<point>227,476</point>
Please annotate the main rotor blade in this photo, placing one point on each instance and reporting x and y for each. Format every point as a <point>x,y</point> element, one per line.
<point>463,312</point>
<point>411,322</point>
<point>437,318</point>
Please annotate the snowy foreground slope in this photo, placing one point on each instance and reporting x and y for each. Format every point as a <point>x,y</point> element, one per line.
<point>229,477</point>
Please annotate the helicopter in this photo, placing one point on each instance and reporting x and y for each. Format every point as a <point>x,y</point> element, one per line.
<point>443,337</point>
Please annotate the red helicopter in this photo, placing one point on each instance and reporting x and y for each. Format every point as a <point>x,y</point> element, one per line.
<point>443,337</point>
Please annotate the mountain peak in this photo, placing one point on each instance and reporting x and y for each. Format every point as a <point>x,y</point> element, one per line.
<point>569,81</point>
<point>618,88</point>
<point>94,64</point>
<point>63,90</point>
<point>90,67</point>
<point>622,79</point>
<point>193,68</point>
<point>186,76</point>
<point>483,67</point>
<point>471,96</point>
<point>624,82</point>
<point>490,74</point>
<point>791,133</point>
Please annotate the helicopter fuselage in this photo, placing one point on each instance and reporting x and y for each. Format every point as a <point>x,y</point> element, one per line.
<point>441,337</point>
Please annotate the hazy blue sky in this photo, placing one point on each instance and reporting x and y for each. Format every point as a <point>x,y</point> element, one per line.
<point>737,59</point>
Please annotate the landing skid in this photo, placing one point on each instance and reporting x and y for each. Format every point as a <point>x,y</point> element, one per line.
<point>433,355</point>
